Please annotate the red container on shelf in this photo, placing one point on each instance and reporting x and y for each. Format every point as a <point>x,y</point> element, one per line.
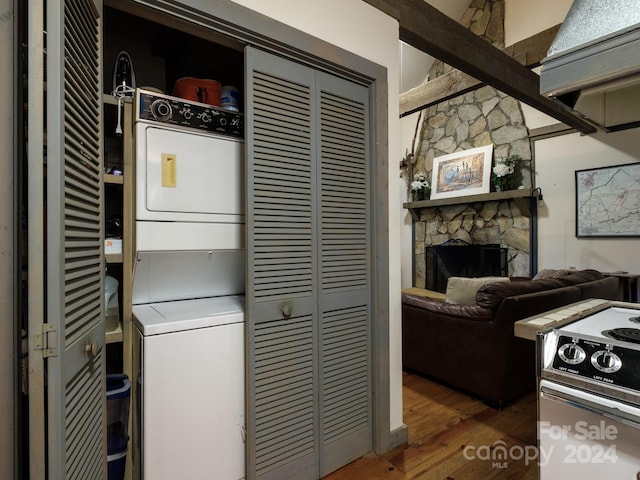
<point>198,90</point>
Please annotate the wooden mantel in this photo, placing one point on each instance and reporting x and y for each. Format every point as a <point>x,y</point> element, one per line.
<point>415,207</point>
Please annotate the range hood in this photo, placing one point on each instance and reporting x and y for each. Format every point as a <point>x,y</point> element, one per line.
<point>593,64</point>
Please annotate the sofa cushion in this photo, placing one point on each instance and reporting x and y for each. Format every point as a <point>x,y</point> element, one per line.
<point>491,295</point>
<point>569,277</point>
<point>576,277</point>
<point>442,310</point>
<point>606,288</point>
<point>551,273</point>
<point>462,290</point>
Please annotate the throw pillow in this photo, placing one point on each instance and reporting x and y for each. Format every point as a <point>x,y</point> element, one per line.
<point>462,290</point>
<point>551,273</point>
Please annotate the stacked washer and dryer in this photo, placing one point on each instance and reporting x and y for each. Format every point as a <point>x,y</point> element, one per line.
<point>188,289</point>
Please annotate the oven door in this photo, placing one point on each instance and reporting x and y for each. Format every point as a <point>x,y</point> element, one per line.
<point>586,436</point>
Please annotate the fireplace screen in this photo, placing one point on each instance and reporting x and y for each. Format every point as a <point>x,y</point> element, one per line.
<point>456,258</point>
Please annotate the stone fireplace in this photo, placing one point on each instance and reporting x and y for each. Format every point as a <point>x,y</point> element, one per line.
<point>474,119</point>
<point>461,259</point>
<point>505,223</point>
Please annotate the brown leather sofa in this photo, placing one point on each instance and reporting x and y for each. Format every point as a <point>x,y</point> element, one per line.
<point>472,347</point>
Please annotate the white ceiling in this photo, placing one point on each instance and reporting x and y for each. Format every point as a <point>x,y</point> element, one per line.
<point>414,64</point>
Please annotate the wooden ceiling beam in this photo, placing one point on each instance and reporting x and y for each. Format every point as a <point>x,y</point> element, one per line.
<point>440,89</point>
<point>528,52</point>
<point>429,30</point>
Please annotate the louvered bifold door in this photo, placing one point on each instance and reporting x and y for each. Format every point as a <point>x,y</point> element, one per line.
<point>76,431</point>
<point>345,259</point>
<point>281,299</point>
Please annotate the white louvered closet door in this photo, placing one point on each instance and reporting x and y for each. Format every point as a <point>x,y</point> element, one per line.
<point>309,395</point>
<point>75,365</point>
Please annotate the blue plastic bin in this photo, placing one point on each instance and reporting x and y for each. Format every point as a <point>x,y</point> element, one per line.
<point>116,464</point>
<point>118,395</point>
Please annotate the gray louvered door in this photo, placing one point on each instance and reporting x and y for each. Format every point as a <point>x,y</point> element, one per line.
<point>76,428</point>
<point>281,291</point>
<point>307,293</point>
<point>345,291</point>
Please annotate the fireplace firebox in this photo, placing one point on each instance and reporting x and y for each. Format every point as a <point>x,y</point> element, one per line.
<point>457,258</point>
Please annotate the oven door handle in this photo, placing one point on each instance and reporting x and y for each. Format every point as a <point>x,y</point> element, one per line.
<point>592,403</point>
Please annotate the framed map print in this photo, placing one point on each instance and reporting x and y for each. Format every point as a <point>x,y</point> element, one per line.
<point>608,201</point>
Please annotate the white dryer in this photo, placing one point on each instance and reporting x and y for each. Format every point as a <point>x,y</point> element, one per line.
<point>189,175</point>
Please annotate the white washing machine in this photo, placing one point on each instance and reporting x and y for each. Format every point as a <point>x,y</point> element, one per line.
<point>192,395</point>
<point>188,291</point>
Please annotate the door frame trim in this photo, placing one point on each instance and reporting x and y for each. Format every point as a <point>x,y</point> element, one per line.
<point>247,26</point>
<point>10,341</point>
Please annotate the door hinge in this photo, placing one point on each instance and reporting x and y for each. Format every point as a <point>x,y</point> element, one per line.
<point>46,340</point>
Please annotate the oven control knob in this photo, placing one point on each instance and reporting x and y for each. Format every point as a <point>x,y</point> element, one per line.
<point>571,353</point>
<point>161,110</point>
<point>605,361</point>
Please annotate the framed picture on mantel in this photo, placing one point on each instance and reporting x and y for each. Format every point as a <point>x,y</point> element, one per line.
<point>462,173</point>
<point>608,201</point>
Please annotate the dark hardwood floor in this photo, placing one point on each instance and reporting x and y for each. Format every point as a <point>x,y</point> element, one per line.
<point>453,436</point>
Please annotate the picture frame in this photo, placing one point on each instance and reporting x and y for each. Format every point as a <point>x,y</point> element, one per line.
<point>458,174</point>
<point>608,201</point>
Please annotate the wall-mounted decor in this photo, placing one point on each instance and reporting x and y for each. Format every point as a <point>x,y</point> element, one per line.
<point>462,173</point>
<point>608,201</point>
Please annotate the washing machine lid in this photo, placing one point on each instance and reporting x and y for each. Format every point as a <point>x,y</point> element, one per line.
<point>171,317</point>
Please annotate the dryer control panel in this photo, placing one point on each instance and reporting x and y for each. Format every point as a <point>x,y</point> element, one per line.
<point>157,107</point>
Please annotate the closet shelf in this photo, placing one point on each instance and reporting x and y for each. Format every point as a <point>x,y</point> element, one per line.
<point>115,335</point>
<point>114,179</point>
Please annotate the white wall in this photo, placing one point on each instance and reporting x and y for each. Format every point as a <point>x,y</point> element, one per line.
<point>524,18</point>
<point>415,64</point>
<point>557,159</point>
<point>361,29</point>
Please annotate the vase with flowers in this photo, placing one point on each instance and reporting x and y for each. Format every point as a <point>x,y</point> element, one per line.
<point>420,187</point>
<point>504,173</point>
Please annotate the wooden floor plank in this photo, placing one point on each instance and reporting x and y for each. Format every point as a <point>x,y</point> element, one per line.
<point>370,467</point>
<point>453,436</point>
